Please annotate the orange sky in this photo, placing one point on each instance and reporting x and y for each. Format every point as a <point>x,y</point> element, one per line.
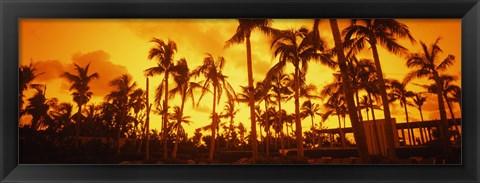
<point>118,46</point>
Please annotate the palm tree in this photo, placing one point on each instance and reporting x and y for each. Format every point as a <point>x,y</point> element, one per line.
<point>26,73</point>
<point>418,101</point>
<point>358,130</point>
<point>184,87</point>
<point>81,94</point>
<point>399,92</point>
<point>456,96</point>
<point>263,89</point>
<point>38,108</point>
<point>138,103</point>
<point>229,112</point>
<point>121,96</point>
<point>164,53</point>
<point>448,87</point>
<point>211,70</point>
<point>335,105</point>
<point>296,47</point>
<point>311,109</point>
<point>281,87</point>
<point>382,32</point>
<point>425,64</point>
<point>244,30</point>
<point>179,120</point>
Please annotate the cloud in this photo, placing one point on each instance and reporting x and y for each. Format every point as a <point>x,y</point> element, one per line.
<point>50,69</point>
<point>100,63</point>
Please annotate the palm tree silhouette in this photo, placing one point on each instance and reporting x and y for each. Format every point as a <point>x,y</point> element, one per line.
<point>311,109</point>
<point>295,46</point>
<point>229,112</point>
<point>426,65</point>
<point>164,53</point>
<point>418,101</point>
<point>38,108</point>
<point>399,92</point>
<point>177,127</point>
<point>335,105</point>
<point>81,94</point>
<point>456,96</point>
<point>121,96</point>
<point>382,32</point>
<point>26,74</point>
<point>184,87</point>
<point>448,87</point>
<point>138,103</point>
<point>211,70</point>
<point>358,130</point>
<point>244,30</point>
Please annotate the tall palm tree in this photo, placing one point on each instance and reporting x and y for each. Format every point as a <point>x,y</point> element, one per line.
<point>448,87</point>
<point>358,130</point>
<point>211,70</point>
<point>311,109</point>
<point>382,32</point>
<point>418,101</point>
<point>295,46</point>
<point>399,92</point>
<point>280,86</point>
<point>26,74</point>
<point>164,53</point>
<point>244,30</point>
<point>335,105</point>
<point>177,126</point>
<point>137,103</point>
<point>184,86</point>
<point>81,94</point>
<point>229,112</point>
<point>123,88</point>
<point>426,64</point>
<point>263,89</point>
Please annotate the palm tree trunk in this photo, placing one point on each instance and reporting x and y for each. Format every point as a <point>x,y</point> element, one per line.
<point>358,128</point>
<point>288,136</point>
<point>422,135</point>
<point>298,123</point>
<point>443,124</point>
<point>280,118</point>
<point>267,127</point>
<point>449,105</point>
<point>175,147</point>
<point>251,102</point>
<point>342,139</point>
<point>165,118</point>
<point>313,132</point>
<point>358,104</point>
<point>214,125</point>
<point>391,151</point>
<point>377,139</point>
<point>147,123</point>
<point>410,131</point>
<point>77,127</point>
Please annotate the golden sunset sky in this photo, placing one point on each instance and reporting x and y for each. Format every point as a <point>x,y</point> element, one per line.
<point>118,46</point>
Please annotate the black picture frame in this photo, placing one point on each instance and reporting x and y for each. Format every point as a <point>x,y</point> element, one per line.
<point>12,10</point>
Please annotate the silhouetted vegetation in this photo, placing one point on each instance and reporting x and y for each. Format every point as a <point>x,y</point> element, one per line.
<point>115,131</point>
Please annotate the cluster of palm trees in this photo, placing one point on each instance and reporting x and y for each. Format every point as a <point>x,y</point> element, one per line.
<point>359,85</point>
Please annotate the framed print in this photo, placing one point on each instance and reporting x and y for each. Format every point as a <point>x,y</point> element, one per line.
<point>187,91</point>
